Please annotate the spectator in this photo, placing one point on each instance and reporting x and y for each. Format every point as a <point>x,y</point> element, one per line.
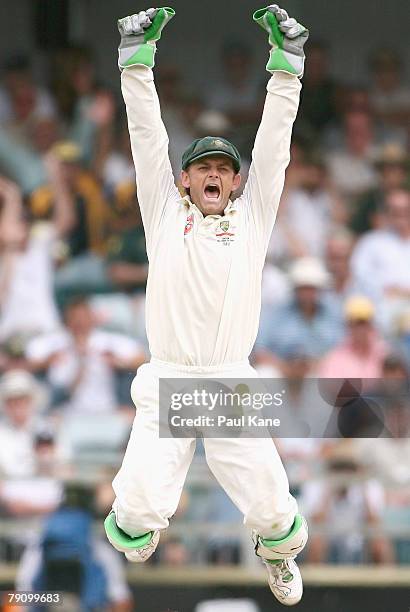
<point>82,361</point>
<point>42,492</point>
<point>175,100</point>
<point>390,95</point>
<point>380,260</point>
<point>319,105</point>
<point>87,107</point>
<point>26,274</point>
<point>238,92</point>
<point>21,400</point>
<point>85,242</point>
<point>392,164</point>
<point>361,353</point>
<point>309,212</point>
<point>351,166</point>
<point>21,99</point>
<point>67,556</point>
<point>307,321</point>
<point>402,335</point>
<point>339,248</point>
<point>345,502</point>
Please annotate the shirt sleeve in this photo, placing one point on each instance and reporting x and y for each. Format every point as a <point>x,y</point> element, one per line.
<point>271,154</point>
<point>149,144</point>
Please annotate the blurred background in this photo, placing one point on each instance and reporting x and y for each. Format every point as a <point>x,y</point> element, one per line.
<point>73,267</point>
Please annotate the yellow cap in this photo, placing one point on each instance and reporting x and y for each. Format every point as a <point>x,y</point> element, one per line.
<point>359,308</point>
<point>67,151</point>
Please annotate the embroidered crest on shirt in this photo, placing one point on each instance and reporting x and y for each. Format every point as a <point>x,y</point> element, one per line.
<point>224,232</point>
<point>189,224</point>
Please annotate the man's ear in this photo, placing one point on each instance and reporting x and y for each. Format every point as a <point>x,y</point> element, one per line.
<point>185,182</point>
<point>236,182</point>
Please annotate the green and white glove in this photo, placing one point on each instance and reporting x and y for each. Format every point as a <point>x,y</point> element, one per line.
<point>287,38</point>
<point>139,35</point>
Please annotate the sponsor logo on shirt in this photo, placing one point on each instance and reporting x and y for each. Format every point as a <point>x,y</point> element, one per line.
<point>189,224</point>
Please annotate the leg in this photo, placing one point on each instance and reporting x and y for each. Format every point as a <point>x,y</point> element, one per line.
<point>149,484</point>
<point>252,474</point>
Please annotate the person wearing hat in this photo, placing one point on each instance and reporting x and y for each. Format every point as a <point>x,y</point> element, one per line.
<point>307,319</point>
<point>21,397</point>
<point>206,256</point>
<point>361,353</point>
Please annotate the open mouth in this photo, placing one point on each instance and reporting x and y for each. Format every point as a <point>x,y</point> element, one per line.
<point>212,192</point>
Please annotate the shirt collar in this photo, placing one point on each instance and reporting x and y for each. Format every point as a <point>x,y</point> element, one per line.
<point>231,206</point>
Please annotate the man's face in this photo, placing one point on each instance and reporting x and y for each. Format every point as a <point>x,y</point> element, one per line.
<point>79,319</point>
<point>18,409</point>
<point>211,181</point>
<point>398,210</point>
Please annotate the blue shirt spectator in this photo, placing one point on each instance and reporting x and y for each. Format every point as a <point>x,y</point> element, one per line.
<point>308,321</point>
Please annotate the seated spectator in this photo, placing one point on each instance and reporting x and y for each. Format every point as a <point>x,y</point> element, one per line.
<point>380,261</point>
<point>127,262</point>
<point>388,458</point>
<point>361,353</point>
<point>21,99</point>
<point>21,402</point>
<point>82,361</point>
<point>402,335</point>
<point>351,166</point>
<point>307,320</point>
<point>84,243</point>
<point>390,95</point>
<point>319,96</point>
<point>12,353</point>
<point>345,501</point>
<point>309,212</point>
<point>338,252</point>
<point>238,92</point>
<point>275,286</point>
<point>68,556</point>
<point>41,492</point>
<point>392,164</point>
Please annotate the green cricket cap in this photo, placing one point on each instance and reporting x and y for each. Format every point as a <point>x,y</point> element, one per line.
<point>211,145</point>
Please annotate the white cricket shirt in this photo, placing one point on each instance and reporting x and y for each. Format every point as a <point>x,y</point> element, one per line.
<point>204,283</point>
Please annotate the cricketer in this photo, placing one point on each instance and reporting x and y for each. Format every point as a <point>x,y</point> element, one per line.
<point>206,255</point>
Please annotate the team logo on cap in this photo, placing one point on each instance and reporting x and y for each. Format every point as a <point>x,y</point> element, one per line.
<point>189,224</point>
<point>219,143</point>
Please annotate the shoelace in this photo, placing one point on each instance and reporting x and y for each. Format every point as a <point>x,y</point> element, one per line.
<point>283,570</point>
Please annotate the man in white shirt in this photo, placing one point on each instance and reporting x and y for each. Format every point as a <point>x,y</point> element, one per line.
<point>206,256</point>
<point>380,261</point>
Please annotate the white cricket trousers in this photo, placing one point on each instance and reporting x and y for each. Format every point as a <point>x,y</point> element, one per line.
<point>149,483</point>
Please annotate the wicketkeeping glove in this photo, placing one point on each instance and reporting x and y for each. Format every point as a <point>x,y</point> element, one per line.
<point>287,38</point>
<point>139,35</point>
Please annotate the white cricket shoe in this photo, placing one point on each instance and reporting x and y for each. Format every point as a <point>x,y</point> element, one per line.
<point>139,555</point>
<point>285,581</point>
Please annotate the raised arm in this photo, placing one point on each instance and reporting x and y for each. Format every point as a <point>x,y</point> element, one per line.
<point>149,139</point>
<point>271,153</point>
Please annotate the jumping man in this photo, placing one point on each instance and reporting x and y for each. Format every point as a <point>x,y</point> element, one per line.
<point>206,256</point>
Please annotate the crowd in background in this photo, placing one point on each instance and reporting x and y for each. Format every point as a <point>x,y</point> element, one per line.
<point>336,286</point>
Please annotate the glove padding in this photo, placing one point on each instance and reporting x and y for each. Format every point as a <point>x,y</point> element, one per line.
<point>287,38</point>
<point>139,35</point>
